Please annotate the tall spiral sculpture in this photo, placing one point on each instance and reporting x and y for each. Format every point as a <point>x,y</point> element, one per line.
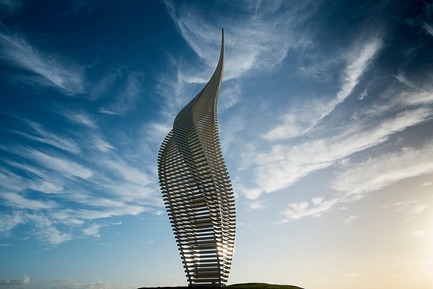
<point>196,187</point>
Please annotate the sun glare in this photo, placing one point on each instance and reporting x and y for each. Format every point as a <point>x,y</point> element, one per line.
<point>430,240</point>
<point>429,247</point>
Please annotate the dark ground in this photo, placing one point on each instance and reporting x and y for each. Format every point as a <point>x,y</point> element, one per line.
<point>234,286</point>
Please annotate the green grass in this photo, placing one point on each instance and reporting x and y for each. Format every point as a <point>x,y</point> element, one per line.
<point>261,286</point>
<point>234,286</point>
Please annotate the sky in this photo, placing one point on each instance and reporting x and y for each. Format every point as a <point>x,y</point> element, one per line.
<point>325,120</point>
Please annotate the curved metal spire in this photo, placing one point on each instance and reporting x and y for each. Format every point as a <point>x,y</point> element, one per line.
<point>196,187</point>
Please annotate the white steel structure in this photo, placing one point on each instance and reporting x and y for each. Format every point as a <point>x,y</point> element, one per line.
<point>196,187</point>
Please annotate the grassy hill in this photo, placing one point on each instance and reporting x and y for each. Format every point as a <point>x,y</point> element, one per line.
<point>236,286</point>
<point>261,286</point>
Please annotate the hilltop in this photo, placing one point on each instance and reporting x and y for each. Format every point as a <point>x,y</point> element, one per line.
<point>262,286</point>
<point>235,286</point>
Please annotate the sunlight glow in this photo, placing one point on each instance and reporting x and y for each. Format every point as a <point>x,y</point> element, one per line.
<point>429,246</point>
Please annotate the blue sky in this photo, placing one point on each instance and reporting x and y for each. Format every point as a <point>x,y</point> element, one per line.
<point>326,125</point>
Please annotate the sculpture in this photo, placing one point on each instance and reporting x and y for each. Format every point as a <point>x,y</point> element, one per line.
<point>196,187</point>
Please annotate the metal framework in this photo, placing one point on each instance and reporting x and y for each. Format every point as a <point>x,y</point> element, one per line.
<point>196,188</point>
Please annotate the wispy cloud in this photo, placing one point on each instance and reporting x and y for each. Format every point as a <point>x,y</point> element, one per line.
<point>127,172</point>
<point>359,179</point>
<point>79,118</point>
<point>10,181</point>
<point>417,210</point>
<point>59,164</point>
<point>254,41</point>
<point>92,230</point>
<point>18,201</point>
<point>411,208</point>
<point>101,144</point>
<point>301,120</point>
<point>428,28</point>
<point>14,283</point>
<point>258,204</point>
<point>52,71</point>
<point>175,87</point>
<point>126,97</point>
<point>42,182</point>
<point>109,212</point>
<point>10,221</point>
<point>295,148</point>
<point>39,134</point>
<point>351,219</point>
<point>46,229</point>
<point>106,183</point>
<point>10,6</point>
<point>384,170</point>
<point>72,284</point>
<point>102,86</point>
<point>315,208</point>
<point>358,61</point>
<point>418,233</point>
<point>285,164</point>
